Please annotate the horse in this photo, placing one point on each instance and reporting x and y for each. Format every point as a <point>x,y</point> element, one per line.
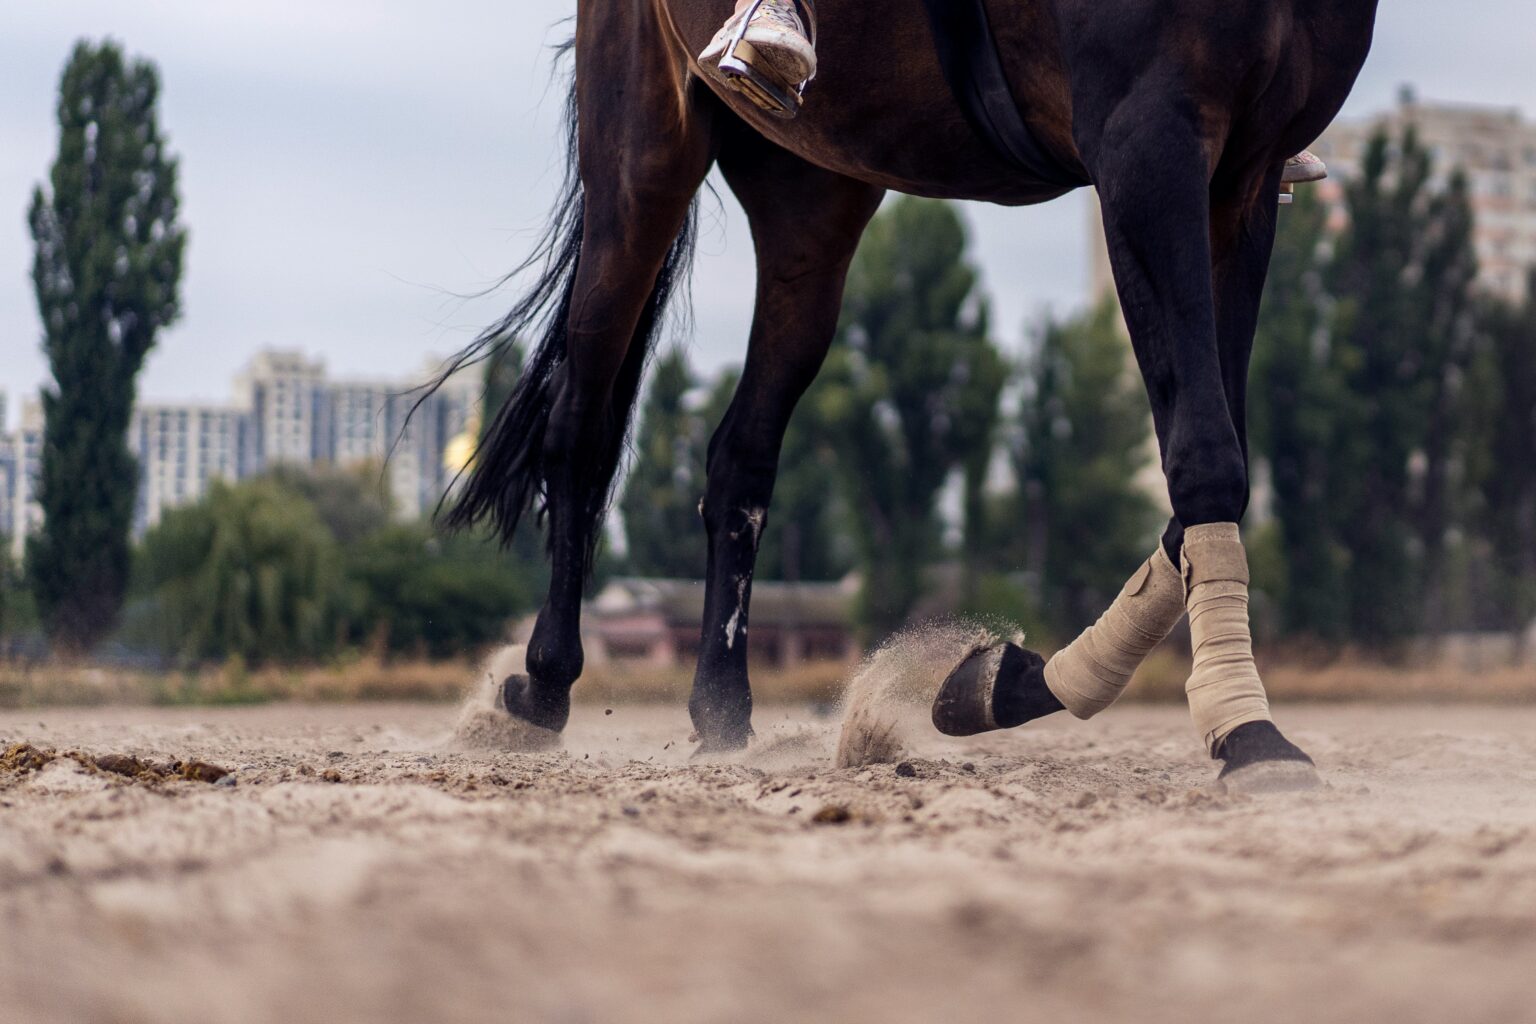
<point>1181,115</point>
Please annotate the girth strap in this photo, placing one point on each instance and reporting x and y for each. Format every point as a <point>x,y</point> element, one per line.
<point>968,53</point>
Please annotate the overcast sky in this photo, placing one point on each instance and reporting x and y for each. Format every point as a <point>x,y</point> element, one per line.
<point>348,166</point>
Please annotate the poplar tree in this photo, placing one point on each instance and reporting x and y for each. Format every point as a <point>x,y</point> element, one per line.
<point>910,395</point>
<point>1364,345</point>
<point>662,528</point>
<point>1084,515</point>
<point>106,272</point>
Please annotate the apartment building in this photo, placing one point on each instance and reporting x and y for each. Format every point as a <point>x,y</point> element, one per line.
<point>1495,147</point>
<point>286,411</point>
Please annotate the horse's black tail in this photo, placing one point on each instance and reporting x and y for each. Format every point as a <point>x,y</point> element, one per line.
<point>507,475</point>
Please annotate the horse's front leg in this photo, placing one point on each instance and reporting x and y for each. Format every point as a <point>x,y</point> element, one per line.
<point>1192,308</point>
<point>806,223</point>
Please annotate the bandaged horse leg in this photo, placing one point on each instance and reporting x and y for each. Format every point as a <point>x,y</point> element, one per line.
<point>1004,686</point>
<point>1190,253</point>
<point>1226,697</point>
<point>1093,671</point>
<point>1224,688</point>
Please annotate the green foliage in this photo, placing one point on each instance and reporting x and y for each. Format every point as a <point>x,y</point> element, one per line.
<point>806,538</point>
<point>909,396</point>
<point>1364,344</point>
<point>352,502</point>
<point>267,571</point>
<point>661,496</point>
<point>1502,471</point>
<point>1083,520</point>
<point>809,535</point>
<point>17,611</point>
<point>106,274</point>
<point>429,596</point>
<point>251,571</point>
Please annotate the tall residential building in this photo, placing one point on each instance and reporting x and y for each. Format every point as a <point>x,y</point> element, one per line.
<point>21,453</point>
<point>286,394</point>
<point>286,412</point>
<point>181,449</point>
<point>1496,149</point>
<point>381,423</point>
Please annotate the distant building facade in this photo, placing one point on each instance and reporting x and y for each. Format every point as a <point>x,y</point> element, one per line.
<point>286,412</point>
<point>1493,146</point>
<point>655,622</point>
<point>21,453</point>
<point>181,449</point>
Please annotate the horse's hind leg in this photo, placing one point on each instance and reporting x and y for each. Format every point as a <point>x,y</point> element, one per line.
<point>640,164</point>
<point>806,223</point>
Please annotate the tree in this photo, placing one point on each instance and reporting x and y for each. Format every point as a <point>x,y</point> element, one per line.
<point>1083,519</point>
<point>1295,401</point>
<point>808,536</point>
<point>664,533</point>
<point>1503,468</point>
<point>910,394</point>
<point>438,597</point>
<point>352,501</point>
<point>106,273</point>
<point>1364,344</point>
<point>249,570</point>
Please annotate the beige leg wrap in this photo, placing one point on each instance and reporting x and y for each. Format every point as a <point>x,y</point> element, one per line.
<point>1224,688</point>
<point>1090,674</point>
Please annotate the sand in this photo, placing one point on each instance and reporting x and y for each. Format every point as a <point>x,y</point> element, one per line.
<point>361,870</point>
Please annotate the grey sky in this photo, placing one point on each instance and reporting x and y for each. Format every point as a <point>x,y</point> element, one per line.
<point>348,164</point>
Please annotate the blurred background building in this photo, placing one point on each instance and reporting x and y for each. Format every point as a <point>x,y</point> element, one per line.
<point>1494,147</point>
<point>285,411</point>
<point>21,452</point>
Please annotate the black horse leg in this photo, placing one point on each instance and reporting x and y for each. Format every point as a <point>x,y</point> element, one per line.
<point>1152,165</point>
<point>806,223</point>
<point>640,164</point>
<point>1243,240</point>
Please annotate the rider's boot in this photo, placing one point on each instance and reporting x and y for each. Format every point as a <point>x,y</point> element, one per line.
<point>1301,169</point>
<point>766,52</point>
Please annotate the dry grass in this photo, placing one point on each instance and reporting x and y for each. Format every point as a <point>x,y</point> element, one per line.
<point>1161,679</point>
<point>368,679</point>
<point>1351,677</point>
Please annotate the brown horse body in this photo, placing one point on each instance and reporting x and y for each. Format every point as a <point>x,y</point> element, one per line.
<point>1181,112</point>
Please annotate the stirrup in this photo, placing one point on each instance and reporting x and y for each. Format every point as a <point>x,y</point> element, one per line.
<point>775,97</point>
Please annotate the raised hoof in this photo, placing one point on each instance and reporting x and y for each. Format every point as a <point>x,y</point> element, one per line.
<point>1258,759</point>
<point>966,704</point>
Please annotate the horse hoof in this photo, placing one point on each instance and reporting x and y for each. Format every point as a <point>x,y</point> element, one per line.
<point>1271,777</point>
<point>518,700</point>
<point>967,703</point>
<point>1258,759</point>
<point>963,706</point>
<point>715,743</point>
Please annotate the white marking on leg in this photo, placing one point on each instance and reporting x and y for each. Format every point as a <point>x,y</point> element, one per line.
<point>741,605</point>
<point>755,519</point>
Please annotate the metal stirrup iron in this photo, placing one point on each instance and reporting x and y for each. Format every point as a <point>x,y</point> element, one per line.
<point>781,99</point>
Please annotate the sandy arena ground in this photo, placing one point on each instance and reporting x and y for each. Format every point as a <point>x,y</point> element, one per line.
<point>359,870</point>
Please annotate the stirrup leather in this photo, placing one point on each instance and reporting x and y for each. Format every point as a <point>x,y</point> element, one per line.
<point>781,99</point>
